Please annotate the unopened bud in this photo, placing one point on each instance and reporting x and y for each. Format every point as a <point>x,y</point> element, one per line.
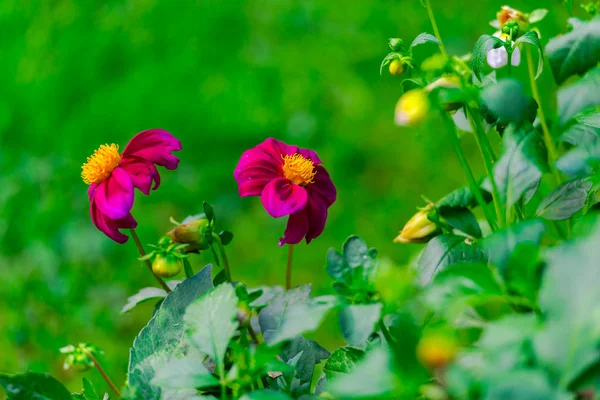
<point>243,316</point>
<point>412,107</point>
<point>419,229</point>
<point>193,233</point>
<point>396,44</point>
<point>511,28</point>
<point>436,350</point>
<point>396,68</point>
<point>166,266</point>
<point>507,13</point>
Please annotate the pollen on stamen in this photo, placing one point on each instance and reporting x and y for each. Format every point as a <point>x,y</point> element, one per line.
<point>101,164</point>
<point>298,169</point>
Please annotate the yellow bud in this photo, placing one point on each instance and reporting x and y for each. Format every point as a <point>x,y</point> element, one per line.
<point>192,233</point>
<point>419,229</point>
<point>166,266</point>
<point>412,108</point>
<point>396,68</point>
<point>436,350</point>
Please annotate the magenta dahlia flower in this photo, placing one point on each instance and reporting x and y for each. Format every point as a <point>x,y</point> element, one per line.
<point>290,181</point>
<point>112,178</point>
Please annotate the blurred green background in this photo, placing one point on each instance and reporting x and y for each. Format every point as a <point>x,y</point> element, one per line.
<point>222,76</point>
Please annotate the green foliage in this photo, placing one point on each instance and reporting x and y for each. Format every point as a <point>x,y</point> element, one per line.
<point>565,200</point>
<point>484,44</point>
<point>507,102</point>
<point>33,386</point>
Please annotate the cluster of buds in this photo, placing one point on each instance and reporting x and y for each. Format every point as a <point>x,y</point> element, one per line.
<point>80,357</point>
<point>419,229</point>
<point>508,14</point>
<point>399,60</point>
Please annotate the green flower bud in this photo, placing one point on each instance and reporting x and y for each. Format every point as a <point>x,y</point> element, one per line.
<point>195,233</point>
<point>419,229</point>
<point>396,44</point>
<point>511,28</point>
<point>166,266</point>
<point>243,315</point>
<point>507,14</point>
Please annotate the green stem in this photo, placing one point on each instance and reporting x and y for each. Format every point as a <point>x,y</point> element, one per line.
<point>103,373</point>
<point>288,269</point>
<point>253,334</point>
<point>451,130</point>
<point>142,252</point>
<point>385,332</point>
<point>436,31</point>
<point>187,268</point>
<point>217,240</point>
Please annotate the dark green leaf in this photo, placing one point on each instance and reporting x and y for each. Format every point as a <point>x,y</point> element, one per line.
<point>33,386</point>
<point>164,334</point>
<point>483,45</point>
<point>507,101</point>
<point>308,353</point>
<point>143,295</point>
<point>226,237</point>
<point>446,250</point>
<point>582,160</point>
<point>209,212</point>
<point>184,373</point>
<point>531,37</point>
<point>210,321</point>
<point>89,393</point>
<point>358,322</point>
<point>265,394</point>
<point>424,38</point>
<point>501,244</point>
<point>565,200</point>
<point>462,219</point>
<point>521,384</point>
<point>575,52</point>
<point>355,251</point>
<point>461,198</point>
<point>522,273</point>
<point>342,361</point>
<point>271,316</point>
<point>579,96</point>
<point>220,278</point>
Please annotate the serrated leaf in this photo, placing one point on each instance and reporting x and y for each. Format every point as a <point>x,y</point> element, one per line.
<point>143,295</point>
<point>424,38</point>
<point>565,200</point>
<point>579,96</point>
<point>446,250</point>
<point>271,316</point>
<point>34,386</point>
<point>184,373</point>
<point>575,52</point>
<point>537,15</point>
<point>581,133</point>
<point>355,251</point>
<point>531,37</point>
<point>306,355</point>
<point>210,321</point>
<point>303,318</point>
<point>484,44</point>
<point>342,361</point>
<point>358,322</point>
<point>507,101</point>
<point>164,334</point>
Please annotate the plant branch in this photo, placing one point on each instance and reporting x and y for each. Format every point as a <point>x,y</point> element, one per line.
<point>142,252</point>
<point>223,256</point>
<point>103,373</point>
<point>288,270</point>
<point>436,31</point>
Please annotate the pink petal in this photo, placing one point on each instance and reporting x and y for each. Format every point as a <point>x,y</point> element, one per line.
<point>281,197</point>
<point>142,173</point>
<point>254,170</point>
<point>114,196</point>
<point>154,145</point>
<point>92,190</point>
<point>311,155</point>
<point>323,186</point>
<point>109,226</point>
<point>296,229</point>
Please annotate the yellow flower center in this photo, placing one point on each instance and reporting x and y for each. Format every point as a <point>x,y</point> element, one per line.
<point>101,164</point>
<point>298,169</point>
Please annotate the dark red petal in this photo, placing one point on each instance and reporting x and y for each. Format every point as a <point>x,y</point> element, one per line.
<point>142,173</point>
<point>323,186</point>
<point>281,197</point>
<point>316,211</point>
<point>154,145</point>
<point>311,155</point>
<point>296,229</point>
<point>109,226</point>
<point>114,195</point>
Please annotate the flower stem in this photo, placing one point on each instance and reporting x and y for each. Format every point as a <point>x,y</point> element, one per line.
<point>385,332</point>
<point>142,252</point>
<point>451,130</point>
<point>253,334</point>
<point>436,31</point>
<point>187,267</point>
<point>103,373</point>
<point>223,256</point>
<point>288,270</point>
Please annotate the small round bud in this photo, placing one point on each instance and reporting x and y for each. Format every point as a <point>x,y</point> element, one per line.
<point>412,108</point>
<point>396,44</point>
<point>164,241</point>
<point>195,233</point>
<point>166,266</point>
<point>419,229</point>
<point>396,68</point>
<point>436,350</point>
<point>511,28</point>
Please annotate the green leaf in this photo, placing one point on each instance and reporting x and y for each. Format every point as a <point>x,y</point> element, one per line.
<point>164,334</point>
<point>342,361</point>
<point>356,252</point>
<point>460,198</point>
<point>372,377</point>
<point>582,160</point>
<point>532,37</point>
<point>484,44</point>
<point>582,132</point>
<point>307,354</point>
<point>226,237</point>
<point>521,164</point>
<point>209,212</point>
<point>537,15</point>
<point>521,384</point>
<point>462,219</point>
<point>446,250</point>
<point>33,386</point>
<point>358,322</point>
<point>575,52</point>
<point>89,393</point>
<point>424,38</point>
<point>184,373</point>
<point>142,296</point>
<point>355,268</point>
<point>579,96</point>
<point>502,244</point>
<point>303,317</point>
<point>507,101</point>
<point>265,394</point>
<point>210,321</point>
<point>565,200</point>
<point>569,5</point>
<point>271,316</point>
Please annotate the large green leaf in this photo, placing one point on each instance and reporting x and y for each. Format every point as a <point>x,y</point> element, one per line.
<point>531,37</point>
<point>424,38</point>
<point>354,268</point>
<point>142,296</point>
<point>565,200</point>
<point>358,321</point>
<point>164,335</point>
<point>581,133</point>
<point>184,373</point>
<point>521,384</point>
<point>446,250</point>
<point>575,52</point>
<point>33,386</point>
<point>521,164</point>
<point>579,96</point>
<point>271,316</point>
<point>507,101</point>
<point>459,198</point>
<point>342,361</point>
<point>306,355</point>
<point>484,44</point>
<point>211,321</point>
<point>462,219</point>
<point>582,160</point>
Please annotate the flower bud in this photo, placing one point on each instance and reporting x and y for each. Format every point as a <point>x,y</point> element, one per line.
<point>396,44</point>
<point>412,107</point>
<point>166,266</point>
<point>396,68</point>
<point>507,13</point>
<point>436,350</point>
<point>193,233</point>
<point>511,28</point>
<point>243,315</point>
<point>419,229</point>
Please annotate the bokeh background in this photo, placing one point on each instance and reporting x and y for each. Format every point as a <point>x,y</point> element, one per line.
<point>222,76</point>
